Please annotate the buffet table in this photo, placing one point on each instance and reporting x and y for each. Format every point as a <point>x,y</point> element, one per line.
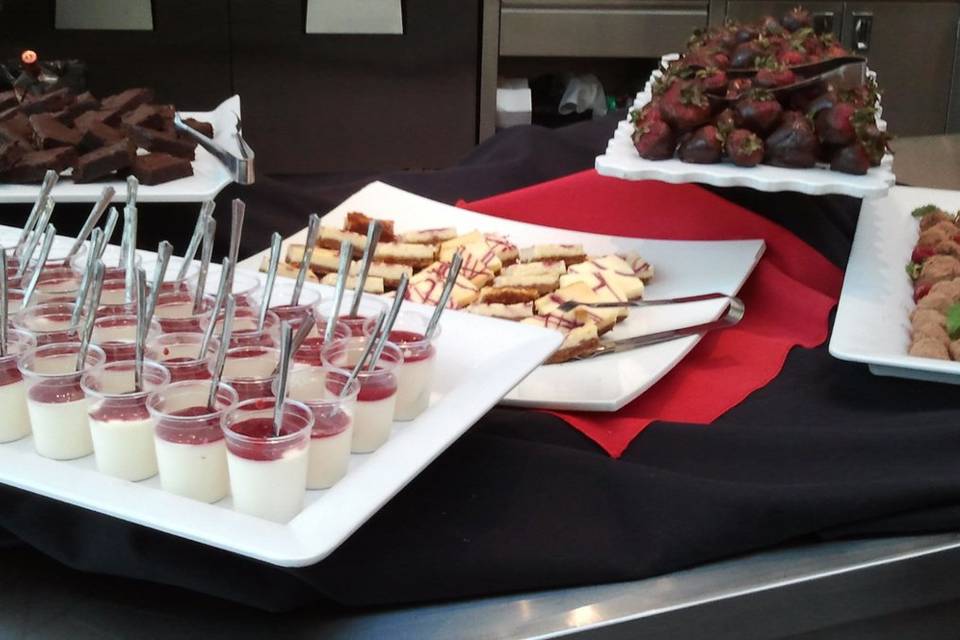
<point>524,503</point>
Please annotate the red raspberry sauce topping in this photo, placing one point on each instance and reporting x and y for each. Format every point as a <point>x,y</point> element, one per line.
<point>403,338</point>
<point>121,410</point>
<point>260,428</point>
<point>330,425</point>
<point>50,391</point>
<point>198,432</point>
<point>371,389</point>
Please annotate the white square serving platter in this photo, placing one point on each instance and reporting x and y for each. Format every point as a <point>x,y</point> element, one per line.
<point>479,360</point>
<point>873,318</point>
<point>208,179</point>
<point>620,160</point>
<point>605,383</point>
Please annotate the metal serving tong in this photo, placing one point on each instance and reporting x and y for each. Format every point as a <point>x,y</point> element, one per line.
<point>732,315</point>
<point>240,168</point>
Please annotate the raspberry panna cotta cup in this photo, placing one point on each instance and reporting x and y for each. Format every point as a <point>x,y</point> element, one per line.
<point>13,389</point>
<point>333,403</point>
<point>309,352</point>
<point>369,308</point>
<point>177,313</point>
<point>251,371</point>
<point>117,336</point>
<point>244,331</point>
<point>190,445</point>
<point>180,354</point>
<point>282,298</point>
<point>50,323</point>
<point>415,375</point>
<point>377,398</point>
<point>56,403</point>
<point>120,422</point>
<point>268,466</point>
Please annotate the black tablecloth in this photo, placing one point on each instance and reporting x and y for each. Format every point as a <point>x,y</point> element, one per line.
<point>523,501</point>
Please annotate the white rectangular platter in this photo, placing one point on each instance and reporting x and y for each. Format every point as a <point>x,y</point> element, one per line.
<point>609,382</point>
<point>873,323</point>
<point>479,360</point>
<point>622,161</point>
<point>208,179</point>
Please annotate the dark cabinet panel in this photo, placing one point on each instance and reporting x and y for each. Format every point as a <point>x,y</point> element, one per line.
<point>186,58</point>
<point>341,102</point>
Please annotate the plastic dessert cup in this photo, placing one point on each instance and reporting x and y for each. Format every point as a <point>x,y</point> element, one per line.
<point>117,336</point>
<point>370,307</point>
<point>309,351</point>
<point>13,389</point>
<point>245,287</point>
<point>120,423</point>
<point>268,472</point>
<point>322,391</point>
<point>282,296</point>
<point>112,270</point>
<point>244,332</point>
<point>171,283</point>
<point>49,323</point>
<point>180,354</point>
<point>56,284</point>
<point>176,314</point>
<point>415,375</point>
<point>377,398</point>
<point>14,301</point>
<point>191,451</point>
<point>55,400</point>
<point>251,371</point>
<point>113,299</point>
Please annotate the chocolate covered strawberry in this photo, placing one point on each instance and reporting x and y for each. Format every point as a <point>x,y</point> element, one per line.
<point>794,144</point>
<point>773,76</point>
<point>702,146</point>
<point>835,125</point>
<point>792,57</point>
<point>875,142</point>
<point>771,26</point>
<point>714,80</point>
<point>852,159</point>
<point>796,19</point>
<point>744,148</point>
<point>648,113</point>
<point>758,111</point>
<point>684,105</point>
<point>725,121</point>
<point>745,54</point>
<point>655,140</point>
<point>737,87</point>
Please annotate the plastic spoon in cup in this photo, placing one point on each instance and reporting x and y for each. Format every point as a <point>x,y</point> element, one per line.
<point>34,239</point>
<point>275,241</point>
<point>373,236</point>
<point>217,372</point>
<point>367,349</point>
<point>391,319</point>
<point>141,292</point>
<point>96,239</point>
<point>199,231</point>
<point>313,229</point>
<point>129,255</point>
<point>210,229</point>
<point>86,333</point>
<point>298,338</point>
<point>236,229</point>
<point>283,375</point>
<point>4,297</point>
<point>455,263</point>
<point>99,207</point>
<point>222,294</point>
<point>49,181</point>
<point>164,251</point>
<point>31,287</point>
<point>108,228</point>
<point>343,270</point>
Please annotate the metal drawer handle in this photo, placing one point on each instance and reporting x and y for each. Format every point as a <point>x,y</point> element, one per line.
<point>862,30</point>
<point>823,21</point>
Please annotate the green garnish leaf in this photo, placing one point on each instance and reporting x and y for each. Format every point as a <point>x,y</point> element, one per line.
<point>953,321</point>
<point>919,212</point>
<point>913,270</point>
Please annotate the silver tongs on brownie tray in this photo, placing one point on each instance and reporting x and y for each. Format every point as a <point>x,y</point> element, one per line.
<point>731,316</point>
<point>240,168</point>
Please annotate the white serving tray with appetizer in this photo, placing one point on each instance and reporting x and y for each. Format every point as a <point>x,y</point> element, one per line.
<point>873,320</point>
<point>209,177</point>
<point>621,160</point>
<point>603,383</point>
<point>478,361</point>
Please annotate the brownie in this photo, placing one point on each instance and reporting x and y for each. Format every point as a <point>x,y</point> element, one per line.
<point>48,132</point>
<point>104,161</point>
<point>97,134</point>
<point>198,125</point>
<point>17,129</point>
<point>128,100</point>
<point>10,153</point>
<point>46,102</point>
<point>11,112</point>
<point>33,166</point>
<point>8,99</point>
<point>84,102</point>
<point>106,116</point>
<point>157,168</point>
<point>151,116</point>
<point>162,142</point>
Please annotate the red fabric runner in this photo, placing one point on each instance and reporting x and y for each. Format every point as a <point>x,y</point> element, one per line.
<point>788,298</point>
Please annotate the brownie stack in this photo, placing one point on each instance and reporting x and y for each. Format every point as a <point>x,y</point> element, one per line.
<point>97,139</point>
